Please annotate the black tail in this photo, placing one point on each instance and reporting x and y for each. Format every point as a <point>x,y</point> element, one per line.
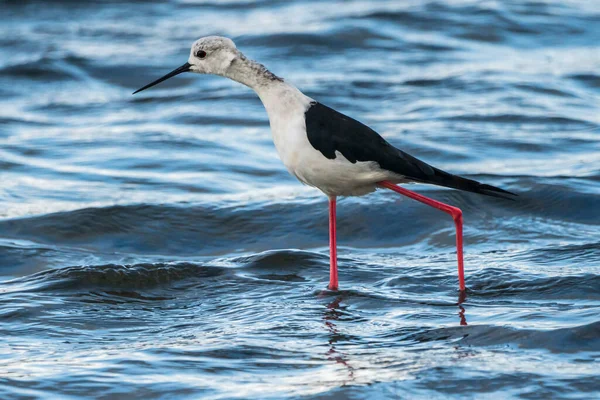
<point>419,171</point>
<point>443,178</point>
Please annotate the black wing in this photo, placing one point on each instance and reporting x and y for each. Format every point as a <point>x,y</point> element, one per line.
<point>330,131</point>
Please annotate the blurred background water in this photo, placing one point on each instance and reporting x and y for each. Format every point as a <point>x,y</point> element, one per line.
<point>155,247</point>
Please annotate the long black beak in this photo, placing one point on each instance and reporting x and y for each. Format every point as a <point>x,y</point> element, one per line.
<point>184,68</point>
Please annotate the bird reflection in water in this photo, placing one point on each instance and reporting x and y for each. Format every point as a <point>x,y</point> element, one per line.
<point>333,313</point>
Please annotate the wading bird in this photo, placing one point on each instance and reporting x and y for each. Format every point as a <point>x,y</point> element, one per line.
<point>327,149</point>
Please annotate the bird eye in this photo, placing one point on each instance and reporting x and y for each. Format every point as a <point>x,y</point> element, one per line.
<point>200,54</point>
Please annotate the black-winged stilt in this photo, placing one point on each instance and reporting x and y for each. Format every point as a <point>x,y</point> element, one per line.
<point>326,149</point>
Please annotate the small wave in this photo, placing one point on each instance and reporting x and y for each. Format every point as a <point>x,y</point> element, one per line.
<point>562,340</point>
<point>43,70</point>
<point>524,119</point>
<point>281,259</point>
<point>137,276</point>
<point>495,282</point>
<point>485,24</point>
<point>590,80</point>
<point>290,43</point>
<point>583,254</point>
<point>556,200</point>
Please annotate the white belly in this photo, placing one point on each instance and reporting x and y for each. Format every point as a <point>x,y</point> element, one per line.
<point>334,177</point>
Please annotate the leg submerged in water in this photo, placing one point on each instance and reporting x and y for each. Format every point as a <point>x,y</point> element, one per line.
<point>456,214</point>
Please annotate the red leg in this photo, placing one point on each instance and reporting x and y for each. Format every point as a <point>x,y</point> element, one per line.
<point>456,214</point>
<point>333,272</point>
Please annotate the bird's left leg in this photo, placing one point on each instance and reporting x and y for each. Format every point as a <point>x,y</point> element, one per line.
<point>333,272</point>
<point>456,214</point>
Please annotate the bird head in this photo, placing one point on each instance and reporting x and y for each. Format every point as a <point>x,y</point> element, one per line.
<point>208,55</point>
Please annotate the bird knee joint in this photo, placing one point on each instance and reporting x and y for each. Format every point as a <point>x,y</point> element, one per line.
<point>456,213</point>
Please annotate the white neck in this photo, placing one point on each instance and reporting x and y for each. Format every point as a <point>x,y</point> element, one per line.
<point>251,73</point>
<point>275,94</point>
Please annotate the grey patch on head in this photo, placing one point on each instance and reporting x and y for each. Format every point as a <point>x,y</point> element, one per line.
<point>260,69</point>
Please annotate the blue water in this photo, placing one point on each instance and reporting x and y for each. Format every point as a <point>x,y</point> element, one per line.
<point>154,246</point>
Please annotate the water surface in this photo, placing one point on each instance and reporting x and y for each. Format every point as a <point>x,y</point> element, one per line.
<point>154,246</point>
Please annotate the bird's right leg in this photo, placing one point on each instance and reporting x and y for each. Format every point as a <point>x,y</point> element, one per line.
<point>333,272</point>
<point>456,214</point>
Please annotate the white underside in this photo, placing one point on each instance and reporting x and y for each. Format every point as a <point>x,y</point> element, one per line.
<point>340,177</point>
<point>286,107</point>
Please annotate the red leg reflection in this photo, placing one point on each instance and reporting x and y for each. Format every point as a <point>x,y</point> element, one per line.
<point>332,314</point>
